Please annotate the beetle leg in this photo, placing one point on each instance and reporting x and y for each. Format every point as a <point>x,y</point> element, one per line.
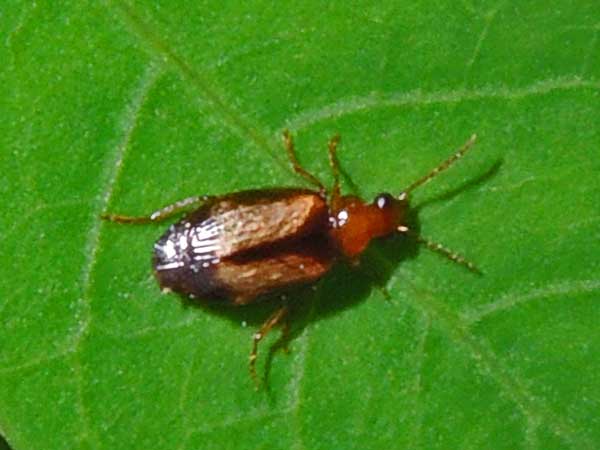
<point>372,274</point>
<point>288,141</point>
<point>161,214</point>
<point>285,336</point>
<point>283,341</point>
<point>273,320</point>
<point>335,168</point>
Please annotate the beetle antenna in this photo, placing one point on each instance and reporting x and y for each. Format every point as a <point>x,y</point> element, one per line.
<point>441,167</point>
<point>439,248</point>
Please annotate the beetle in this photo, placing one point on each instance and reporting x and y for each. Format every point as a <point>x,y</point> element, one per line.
<point>239,247</point>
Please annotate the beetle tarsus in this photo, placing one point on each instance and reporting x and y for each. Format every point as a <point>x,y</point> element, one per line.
<point>288,142</point>
<point>335,168</point>
<point>161,214</point>
<point>267,326</point>
<point>125,219</point>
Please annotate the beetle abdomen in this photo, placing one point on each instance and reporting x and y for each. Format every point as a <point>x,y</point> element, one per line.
<point>246,244</point>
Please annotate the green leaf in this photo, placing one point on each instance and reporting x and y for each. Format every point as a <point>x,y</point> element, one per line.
<point>126,107</point>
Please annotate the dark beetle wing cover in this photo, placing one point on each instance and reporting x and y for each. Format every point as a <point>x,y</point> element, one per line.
<point>273,269</point>
<point>243,221</point>
<point>245,244</point>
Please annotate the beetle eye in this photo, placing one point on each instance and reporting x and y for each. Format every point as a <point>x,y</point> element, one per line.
<point>384,201</point>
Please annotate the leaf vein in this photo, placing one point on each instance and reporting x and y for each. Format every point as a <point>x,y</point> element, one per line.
<point>184,393</point>
<point>417,387</point>
<point>417,97</point>
<point>27,10</point>
<point>37,361</point>
<point>489,19</point>
<point>144,332</point>
<point>234,119</point>
<point>109,178</point>
<point>510,300</point>
<point>489,364</point>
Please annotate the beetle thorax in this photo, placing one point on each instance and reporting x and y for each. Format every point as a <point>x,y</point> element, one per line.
<point>353,223</point>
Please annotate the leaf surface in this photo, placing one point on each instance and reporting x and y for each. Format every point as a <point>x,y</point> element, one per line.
<point>127,107</point>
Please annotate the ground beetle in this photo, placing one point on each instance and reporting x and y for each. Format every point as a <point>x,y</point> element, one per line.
<point>237,247</point>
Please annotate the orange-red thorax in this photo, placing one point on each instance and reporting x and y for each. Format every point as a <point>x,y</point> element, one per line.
<point>353,223</point>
